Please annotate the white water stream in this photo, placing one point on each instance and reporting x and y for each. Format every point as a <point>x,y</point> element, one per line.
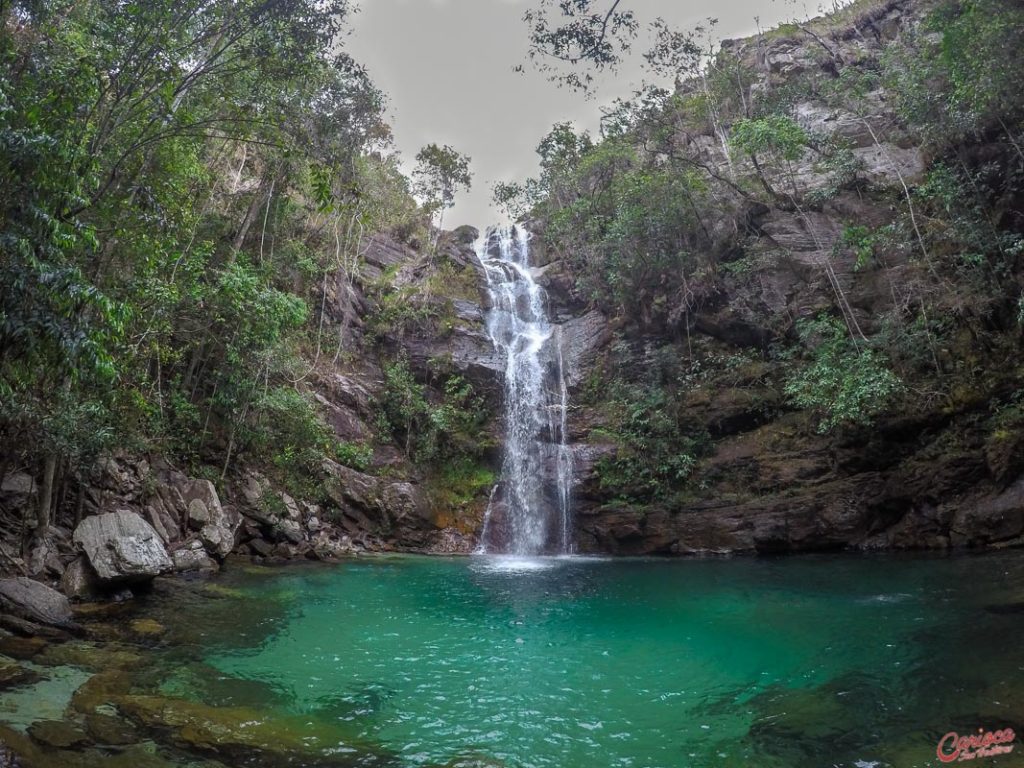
<point>530,510</point>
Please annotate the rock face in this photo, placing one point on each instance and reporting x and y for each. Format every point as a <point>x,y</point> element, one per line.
<point>216,525</point>
<point>938,475</point>
<point>122,547</point>
<point>379,506</point>
<point>34,602</point>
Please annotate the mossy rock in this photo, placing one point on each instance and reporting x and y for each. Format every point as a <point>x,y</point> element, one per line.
<point>110,730</point>
<point>91,656</point>
<point>12,674</point>
<point>147,627</point>
<point>219,590</point>
<point>22,648</point>
<point>58,733</point>
<point>236,731</point>
<point>100,691</point>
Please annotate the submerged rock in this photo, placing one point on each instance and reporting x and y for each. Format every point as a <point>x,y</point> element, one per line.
<point>234,730</point>
<point>110,730</point>
<point>13,674</point>
<point>58,733</point>
<point>122,547</point>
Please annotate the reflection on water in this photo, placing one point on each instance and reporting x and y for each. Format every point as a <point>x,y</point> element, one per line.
<point>571,662</point>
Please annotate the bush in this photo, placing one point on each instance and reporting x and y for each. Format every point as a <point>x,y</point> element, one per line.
<point>843,383</point>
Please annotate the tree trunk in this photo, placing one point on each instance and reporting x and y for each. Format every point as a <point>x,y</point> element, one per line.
<point>46,494</point>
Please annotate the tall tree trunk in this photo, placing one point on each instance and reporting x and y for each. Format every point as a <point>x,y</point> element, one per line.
<point>46,494</point>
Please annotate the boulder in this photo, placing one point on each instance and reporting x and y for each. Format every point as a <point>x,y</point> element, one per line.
<point>193,558</point>
<point>261,547</point>
<point>216,525</point>
<point>122,547</point>
<point>79,580</point>
<point>290,530</point>
<point>328,545</point>
<point>18,483</point>
<point>57,733</point>
<point>30,600</point>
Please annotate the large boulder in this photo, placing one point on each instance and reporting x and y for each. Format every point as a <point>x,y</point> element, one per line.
<point>35,602</point>
<point>122,547</point>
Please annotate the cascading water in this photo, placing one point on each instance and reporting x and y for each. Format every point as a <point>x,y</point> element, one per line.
<point>529,511</point>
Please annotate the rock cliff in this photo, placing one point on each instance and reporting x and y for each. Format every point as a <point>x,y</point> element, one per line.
<point>942,468</point>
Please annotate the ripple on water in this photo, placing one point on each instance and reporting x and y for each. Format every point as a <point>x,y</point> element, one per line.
<point>513,563</point>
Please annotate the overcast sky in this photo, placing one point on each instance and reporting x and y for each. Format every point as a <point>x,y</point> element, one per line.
<point>447,68</point>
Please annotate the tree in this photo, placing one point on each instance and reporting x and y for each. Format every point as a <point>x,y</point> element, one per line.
<point>587,32</point>
<point>440,173</point>
<point>165,168</point>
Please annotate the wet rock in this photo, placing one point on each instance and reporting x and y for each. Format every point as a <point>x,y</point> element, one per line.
<point>147,627</point>
<point>13,674</point>
<point>101,691</point>
<point>581,338</point>
<point>992,519</point>
<point>330,545</point>
<point>80,581</point>
<point>90,655</point>
<point>122,547</point>
<point>58,733</point>
<point>35,602</point>
<point>109,730</point>
<point>193,558</point>
<point>21,648</point>
<point>237,731</point>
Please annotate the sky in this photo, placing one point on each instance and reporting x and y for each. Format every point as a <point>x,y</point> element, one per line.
<point>447,67</point>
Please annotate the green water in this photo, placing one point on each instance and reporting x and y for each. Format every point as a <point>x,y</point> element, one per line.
<point>575,663</point>
<point>805,662</point>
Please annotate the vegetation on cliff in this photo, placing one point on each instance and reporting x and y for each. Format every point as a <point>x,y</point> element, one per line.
<point>188,189</point>
<point>874,155</point>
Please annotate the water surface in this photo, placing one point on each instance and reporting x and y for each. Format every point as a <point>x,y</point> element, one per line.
<point>571,662</point>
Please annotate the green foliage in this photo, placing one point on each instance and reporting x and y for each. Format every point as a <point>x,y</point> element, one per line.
<point>460,481</point>
<point>440,172</point>
<point>355,455</point>
<point>961,73</point>
<point>860,240</point>
<point>630,229</point>
<point>432,432</point>
<point>772,135</point>
<point>565,34</point>
<point>171,174</point>
<point>844,384</point>
<point>654,457</point>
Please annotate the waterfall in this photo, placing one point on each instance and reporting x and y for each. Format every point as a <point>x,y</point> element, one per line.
<point>529,511</point>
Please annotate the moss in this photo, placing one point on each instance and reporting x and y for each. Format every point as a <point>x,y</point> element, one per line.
<point>238,731</point>
<point>458,491</point>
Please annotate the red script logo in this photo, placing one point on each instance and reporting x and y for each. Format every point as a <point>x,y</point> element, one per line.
<point>954,747</point>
